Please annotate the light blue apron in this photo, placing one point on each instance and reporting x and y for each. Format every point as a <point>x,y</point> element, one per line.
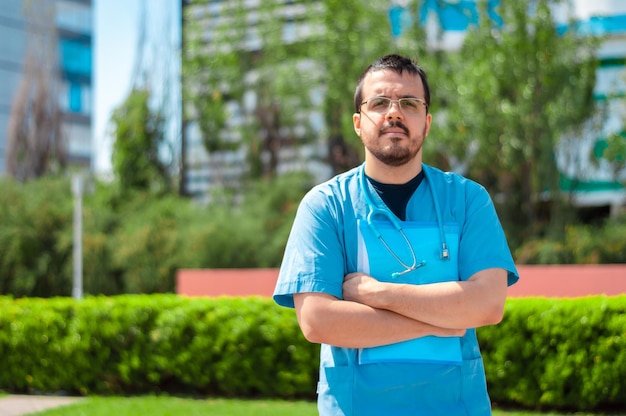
<point>426,376</point>
<point>374,259</point>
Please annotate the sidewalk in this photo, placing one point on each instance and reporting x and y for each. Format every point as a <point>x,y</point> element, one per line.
<point>19,405</point>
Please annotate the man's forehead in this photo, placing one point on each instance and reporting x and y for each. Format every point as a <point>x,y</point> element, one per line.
<point>386,78</point>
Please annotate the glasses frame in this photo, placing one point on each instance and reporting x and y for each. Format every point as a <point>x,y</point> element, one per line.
<point>399,101</point>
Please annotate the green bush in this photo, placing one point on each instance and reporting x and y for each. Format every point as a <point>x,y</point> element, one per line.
<point>35,237</point>
<point>583,244</point>
<point>154,343</point>
<point>567,354</point>
<point>558,353</point>
<point>136,241</point>
<point>148,246</point>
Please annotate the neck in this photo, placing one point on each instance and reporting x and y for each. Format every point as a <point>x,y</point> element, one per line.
<point>392,174</point>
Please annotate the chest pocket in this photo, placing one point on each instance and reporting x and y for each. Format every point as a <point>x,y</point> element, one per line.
<point>424,248</point>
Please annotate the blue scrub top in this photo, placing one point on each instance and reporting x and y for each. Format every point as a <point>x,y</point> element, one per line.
<point>324,246</point>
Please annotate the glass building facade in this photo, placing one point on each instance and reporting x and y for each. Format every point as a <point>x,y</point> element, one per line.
<point>592,182</point>
<point>446,23</point>
<point>73,32</point>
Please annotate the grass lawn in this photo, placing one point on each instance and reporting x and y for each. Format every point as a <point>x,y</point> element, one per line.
<point>173,406</point>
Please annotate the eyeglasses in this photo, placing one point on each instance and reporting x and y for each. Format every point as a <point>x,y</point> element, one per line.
<point>409,105</point>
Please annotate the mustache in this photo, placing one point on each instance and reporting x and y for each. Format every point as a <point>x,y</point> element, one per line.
<point>392,124</point>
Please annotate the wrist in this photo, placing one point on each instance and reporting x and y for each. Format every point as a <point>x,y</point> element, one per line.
<point>379,295</point>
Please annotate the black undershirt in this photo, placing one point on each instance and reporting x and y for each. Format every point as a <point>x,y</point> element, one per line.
<point>395,196</point>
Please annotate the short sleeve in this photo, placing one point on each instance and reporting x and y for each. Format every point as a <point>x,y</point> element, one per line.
<point>314,254</point>
<point>483,244</point>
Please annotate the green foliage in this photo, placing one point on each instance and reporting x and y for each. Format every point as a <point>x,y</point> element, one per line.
<point>285,77</point>
<point>149,241</point>
<point>582,244</point>
<point>517,88</point>
<point>566,354</point>
<point>139,344</point>
<point>252,94</point>
<point>501,103</point>
<point>614,150</point>
<point>35,236</point>
<point>135,243</point>
<point>558,353</point>
<point>344,52</point>
<point>251,233</point>
<point>139,138</point>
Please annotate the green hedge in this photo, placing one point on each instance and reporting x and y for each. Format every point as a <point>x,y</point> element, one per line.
<point>558,353</point>
<point>547,353</point>
<point>154,343</point>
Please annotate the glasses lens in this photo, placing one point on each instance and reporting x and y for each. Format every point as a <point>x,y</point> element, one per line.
<point>382,104</point>
<point>379,104</point>
<point>410,105</point>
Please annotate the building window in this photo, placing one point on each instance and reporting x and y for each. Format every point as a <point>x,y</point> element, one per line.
<point>76,57</point>
<point>75,98</point>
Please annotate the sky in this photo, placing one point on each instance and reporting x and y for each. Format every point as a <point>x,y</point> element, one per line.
<point>117,32</point>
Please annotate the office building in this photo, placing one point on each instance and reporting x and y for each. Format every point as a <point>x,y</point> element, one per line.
<point>446,23</point>
<point>207,170</point>
<point>27,26</point>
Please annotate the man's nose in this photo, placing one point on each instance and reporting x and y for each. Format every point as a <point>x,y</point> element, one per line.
<point>394,110</point>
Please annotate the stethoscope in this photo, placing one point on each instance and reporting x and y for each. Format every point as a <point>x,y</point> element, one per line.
<point>375,210</point>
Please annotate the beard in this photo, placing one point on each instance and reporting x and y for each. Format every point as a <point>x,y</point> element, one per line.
<point>396,153</point>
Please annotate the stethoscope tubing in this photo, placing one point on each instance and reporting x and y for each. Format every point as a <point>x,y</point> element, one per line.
<point>375,210</point>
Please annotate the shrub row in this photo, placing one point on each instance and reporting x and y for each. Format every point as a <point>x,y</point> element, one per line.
<point>154,343</point>
<point>581,244</point>
<point>135,242</point>
<point>558,353</point>
<point>547,353</point>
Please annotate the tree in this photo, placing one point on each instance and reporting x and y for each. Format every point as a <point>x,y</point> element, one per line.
<point>518,86</point>
<point>352,34</point>
<point>280,57</point>
<point>611,149</point>
<point>144,156</point>
<point>248,83</point>
<point>35,144</point>
<point>139,136</point>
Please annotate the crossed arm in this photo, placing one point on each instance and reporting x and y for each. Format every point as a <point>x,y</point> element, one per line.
<point>375,313</point>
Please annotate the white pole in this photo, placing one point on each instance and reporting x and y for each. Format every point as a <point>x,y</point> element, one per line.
<point>77,190</point>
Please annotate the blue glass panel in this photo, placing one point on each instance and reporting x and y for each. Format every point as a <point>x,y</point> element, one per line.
<point>75,102</point>
<point>459,15</point>
<point>75,57</point>
<point>601,25</point>
<point>395,17</point>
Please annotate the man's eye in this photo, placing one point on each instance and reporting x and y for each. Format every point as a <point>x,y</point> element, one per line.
<point>412,104</point>
<point>380,103</point>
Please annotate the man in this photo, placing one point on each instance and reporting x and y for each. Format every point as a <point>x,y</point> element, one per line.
<point>391,265</point>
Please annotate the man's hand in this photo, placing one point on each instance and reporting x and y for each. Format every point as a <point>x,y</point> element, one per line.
<point>359,287</point>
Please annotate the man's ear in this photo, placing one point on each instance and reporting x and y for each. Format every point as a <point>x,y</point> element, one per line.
<point>356,121</point>
<point>429,119</point>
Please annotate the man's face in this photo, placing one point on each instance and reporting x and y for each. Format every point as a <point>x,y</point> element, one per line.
<point>393,136</point>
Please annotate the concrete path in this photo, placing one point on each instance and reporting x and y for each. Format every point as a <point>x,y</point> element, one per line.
<point>19,405</point>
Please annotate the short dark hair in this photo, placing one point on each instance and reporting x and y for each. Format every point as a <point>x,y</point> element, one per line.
<point>395,63</point>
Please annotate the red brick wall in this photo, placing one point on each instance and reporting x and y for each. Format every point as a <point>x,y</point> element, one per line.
<point>570,280</point>
<point>550,281</point>
<point>226,282</point>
